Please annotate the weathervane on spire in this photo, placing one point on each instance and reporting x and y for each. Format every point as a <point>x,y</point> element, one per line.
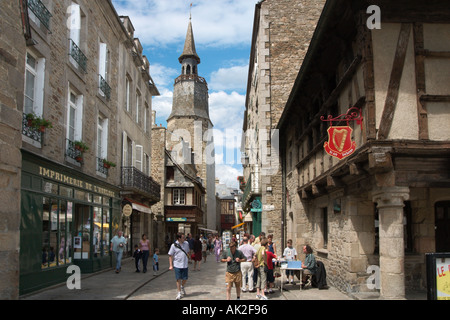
<point>190,12</point>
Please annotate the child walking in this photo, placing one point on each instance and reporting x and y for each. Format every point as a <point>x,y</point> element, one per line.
<point>137,254</point>
<point>155,262</point>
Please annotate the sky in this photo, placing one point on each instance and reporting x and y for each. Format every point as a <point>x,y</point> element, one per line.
<point>222,34</point>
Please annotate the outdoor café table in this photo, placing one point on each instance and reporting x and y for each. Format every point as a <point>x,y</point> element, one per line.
<point>291,265</point>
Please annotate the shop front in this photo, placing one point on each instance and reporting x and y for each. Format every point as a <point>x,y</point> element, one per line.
<point>67,218</point>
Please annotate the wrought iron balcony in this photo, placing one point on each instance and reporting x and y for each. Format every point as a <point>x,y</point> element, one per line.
<point>101,167</point>
<point>104,87</point>
<point>252,188</point>
<point>41,12</point>
<point>29,130</point>
<point>78,55</point>
<point>135,181</point>
<point>72,152</point>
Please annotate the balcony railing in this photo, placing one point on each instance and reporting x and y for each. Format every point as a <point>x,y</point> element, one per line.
<point>41,12</point>
<point>104,87</point>
<point>72,152</point>
<point>101,167</point>
<point>78,55</point>
<point>251,188</point>
<point>137,181</point>
<point>30,131</point>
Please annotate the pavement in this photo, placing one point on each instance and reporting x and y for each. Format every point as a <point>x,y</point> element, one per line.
<point>206,284</point>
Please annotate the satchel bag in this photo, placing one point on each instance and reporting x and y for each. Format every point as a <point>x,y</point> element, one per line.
<point>256,263</point>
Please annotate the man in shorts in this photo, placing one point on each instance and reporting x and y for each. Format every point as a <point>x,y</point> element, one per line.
<point>178,261</point>
<point>233,258</point>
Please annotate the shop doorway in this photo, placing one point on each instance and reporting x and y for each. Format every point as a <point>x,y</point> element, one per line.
<point>442,224</point>
<point>82,232</point>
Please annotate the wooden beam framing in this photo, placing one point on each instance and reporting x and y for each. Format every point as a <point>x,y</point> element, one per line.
<point>422,114</point>
<point>394,82</point>
<point>365,43</point>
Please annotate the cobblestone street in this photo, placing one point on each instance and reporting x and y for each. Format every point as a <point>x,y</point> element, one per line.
<point>207,284</point>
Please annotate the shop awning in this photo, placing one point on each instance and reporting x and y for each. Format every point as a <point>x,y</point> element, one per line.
<point>238,225</point>
<point>209,230</point>
<point>139,206</point>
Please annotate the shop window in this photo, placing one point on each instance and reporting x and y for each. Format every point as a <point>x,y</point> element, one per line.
<point>100,238</point>
<point>56,239</point>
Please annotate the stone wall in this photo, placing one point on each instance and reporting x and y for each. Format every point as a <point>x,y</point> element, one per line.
<point>285,31</point>
<point>12,57</point>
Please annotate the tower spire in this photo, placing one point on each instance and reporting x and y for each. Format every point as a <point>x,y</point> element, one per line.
<point>189,45</point>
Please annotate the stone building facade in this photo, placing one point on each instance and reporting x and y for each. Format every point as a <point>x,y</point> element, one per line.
<point>382,206</point>
<point>12,68</point>
<point>282,31</point>
<point>65,61</point>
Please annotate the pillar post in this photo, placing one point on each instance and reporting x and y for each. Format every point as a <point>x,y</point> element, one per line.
<point>390,203</point>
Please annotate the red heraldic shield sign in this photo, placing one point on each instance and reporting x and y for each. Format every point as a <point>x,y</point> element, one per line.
<point>340,144</point>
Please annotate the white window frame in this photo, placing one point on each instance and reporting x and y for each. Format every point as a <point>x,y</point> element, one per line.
<point>139,153</point>
<point>38,72</point>
<point>102,137</point>
<point>138,106</point>
<point>179,196</point>
<point>127,93</point>
<point>103,64</point>
<point>77,105</point>
<point>74,24</point>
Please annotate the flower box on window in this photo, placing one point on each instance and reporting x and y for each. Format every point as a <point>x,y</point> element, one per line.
<point>108,164</point>
<point>38,123</point>
<point>81,146</point>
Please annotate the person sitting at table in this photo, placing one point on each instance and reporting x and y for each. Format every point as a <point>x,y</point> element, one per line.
<point>309,265</point>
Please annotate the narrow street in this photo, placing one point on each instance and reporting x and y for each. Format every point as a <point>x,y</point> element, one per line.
<point>207,284</point>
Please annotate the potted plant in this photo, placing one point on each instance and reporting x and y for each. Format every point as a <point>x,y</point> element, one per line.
<point>79,158</point>
<point>108,164</point>
<point>81,146</point>
<point>38,123</point>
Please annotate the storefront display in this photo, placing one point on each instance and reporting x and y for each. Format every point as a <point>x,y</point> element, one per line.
<point>67,218</point>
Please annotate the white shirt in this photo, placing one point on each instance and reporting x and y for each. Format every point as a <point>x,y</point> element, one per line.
<point>180,259</point>
<point>290,253</point>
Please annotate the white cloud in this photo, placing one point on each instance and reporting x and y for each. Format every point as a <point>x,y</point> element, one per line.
<point>228,175</point>
<point>226,109</point>
<point>216,22</point>
<point>233,78</point>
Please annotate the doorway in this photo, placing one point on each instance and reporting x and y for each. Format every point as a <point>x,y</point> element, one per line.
<point>442,224</point>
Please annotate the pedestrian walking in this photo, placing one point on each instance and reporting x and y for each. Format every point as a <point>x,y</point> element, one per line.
<point>247,266</point>
<point>269,262</point>
<point>197,253</point>
<point>204,250</point>
<point>260,265</point>
<point>118,244</point>
<point>137,254</point>
<point>144,245</point>
<point>155,262</point>
<point>233,257</point>
<point>178,261</point>
<point>217,247</point>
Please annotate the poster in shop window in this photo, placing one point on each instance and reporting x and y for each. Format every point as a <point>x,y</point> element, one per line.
<point>443,278</point>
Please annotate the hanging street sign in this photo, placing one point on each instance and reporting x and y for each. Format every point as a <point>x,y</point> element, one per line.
<point>340,144</point>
